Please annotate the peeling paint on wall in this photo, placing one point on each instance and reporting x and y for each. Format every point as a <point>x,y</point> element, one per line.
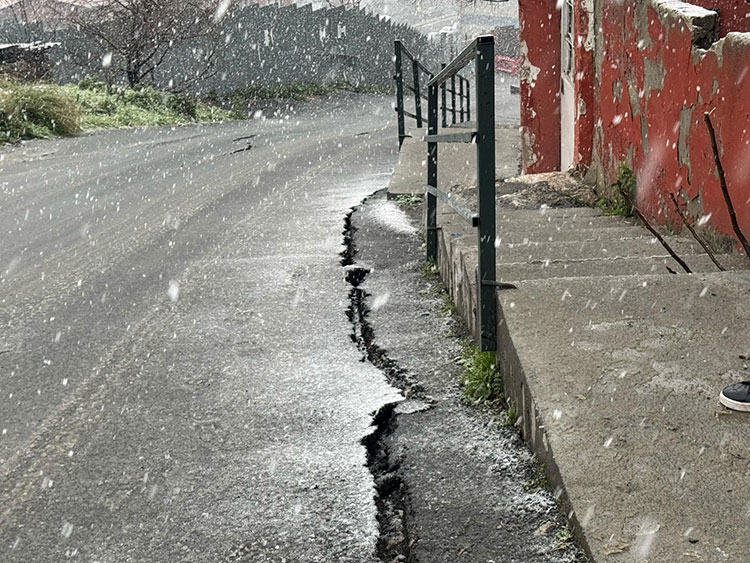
<point>683,152</point>
<point>653,74</point>
<point>581,107</point>
<point>539,84</point>
<point>527,147</point>
<point>617,90</point>
<point>644,133</point>
<point>656,60</point>
<point>588,7</point>
<point>527,70</point>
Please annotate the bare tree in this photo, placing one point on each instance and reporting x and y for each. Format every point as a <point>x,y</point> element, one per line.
<point>138,35</point>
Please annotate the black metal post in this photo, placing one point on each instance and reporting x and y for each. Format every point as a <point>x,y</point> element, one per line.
<point>443,91</point>
<point>417,94</point>
<point>468,101</point>
<point>399,78</point>
<point>461,97</point>
<point>485,94</point>
<point>453,99</point>
<point>432,174</point>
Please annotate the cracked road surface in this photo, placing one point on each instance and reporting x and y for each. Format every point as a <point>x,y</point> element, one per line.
<point>456,485</point>
<point>177,378</point>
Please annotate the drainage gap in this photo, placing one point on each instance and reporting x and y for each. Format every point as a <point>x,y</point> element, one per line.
<point>397,537</point>
<point>347,255</point>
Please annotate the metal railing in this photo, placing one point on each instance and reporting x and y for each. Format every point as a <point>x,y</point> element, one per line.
<point>459,113</point>
<point>482,52</point>
<point>463,113</point>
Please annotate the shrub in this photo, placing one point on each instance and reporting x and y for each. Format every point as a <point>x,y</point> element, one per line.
<point>106,106</point>
<point>28,110</point>
<point>144,97</point>
<point>91,83</point>
<point>184,105</point>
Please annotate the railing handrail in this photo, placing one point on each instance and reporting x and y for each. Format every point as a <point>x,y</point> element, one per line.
<point>414,59</point>
<point>462,59</point>
<point>460,92</point>
<point>482,51</point>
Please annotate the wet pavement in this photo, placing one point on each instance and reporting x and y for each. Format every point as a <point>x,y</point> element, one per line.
<point>177,378</point>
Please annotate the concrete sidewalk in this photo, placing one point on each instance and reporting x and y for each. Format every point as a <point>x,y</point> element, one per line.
<point>614,365</point>
<point>457,162</point>
<point>454,485</point>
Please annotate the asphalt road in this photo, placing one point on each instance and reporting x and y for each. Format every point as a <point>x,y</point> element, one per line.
<point>177,379</point>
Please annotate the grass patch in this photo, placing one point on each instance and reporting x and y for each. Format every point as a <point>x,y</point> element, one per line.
<point>40,110</point>
<point>615,203</point>
<point>538,480</point>
<point>481,380</point>
<point>109,107</point>
<point>563,537</point>
<point>30,111</point>
<point>510,416</point>
<point>430,269</point>
<point>408,201</point>
<point>448,308</point>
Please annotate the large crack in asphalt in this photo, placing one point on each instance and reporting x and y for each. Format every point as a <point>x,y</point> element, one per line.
<point>394,513</point>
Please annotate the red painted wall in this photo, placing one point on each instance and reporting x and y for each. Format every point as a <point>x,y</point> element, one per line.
<point>652,95</point>
<point>584,82</point>
<point>540,85</point>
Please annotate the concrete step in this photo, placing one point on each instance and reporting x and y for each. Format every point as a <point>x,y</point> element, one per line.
<point>539,252</point>
<point>532,235</point>
<point>560,218</point>
<point>536,224</point>
<point>578,221</point>
<point>548,214</point>
<point>616,382</point>
<point>515,272</point>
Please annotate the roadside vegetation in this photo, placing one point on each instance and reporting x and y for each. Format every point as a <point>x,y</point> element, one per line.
<point>481,381</point>
<point>295,91</point>
<point>33,110</point>
<point>104,106</point>
<point>29,110</point>
<point>615,202</point>
<point>408,201</point>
